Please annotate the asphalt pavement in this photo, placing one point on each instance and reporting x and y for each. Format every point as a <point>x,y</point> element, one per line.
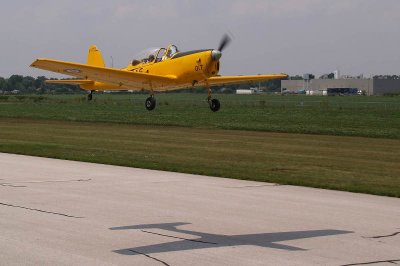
<point>57,212</point>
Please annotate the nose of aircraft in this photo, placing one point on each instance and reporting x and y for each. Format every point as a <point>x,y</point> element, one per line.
<point>216,55</point>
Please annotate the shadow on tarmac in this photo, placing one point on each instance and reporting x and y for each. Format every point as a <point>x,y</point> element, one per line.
<point>205,240</point>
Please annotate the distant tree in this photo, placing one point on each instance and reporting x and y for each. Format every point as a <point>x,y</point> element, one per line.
<point>39,81</point>
<point>3,84</point>
<point>15,82</point>
<point>386,77</point>
<point>28,84</point>
<point>297,77</point>
<point>327,76</point>
<point>273,85</point>
<point>227,90</point>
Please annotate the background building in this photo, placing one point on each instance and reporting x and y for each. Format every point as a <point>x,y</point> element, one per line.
<point>328,86</point>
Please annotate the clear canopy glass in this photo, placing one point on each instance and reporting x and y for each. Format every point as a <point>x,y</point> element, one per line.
<point>154,54</point>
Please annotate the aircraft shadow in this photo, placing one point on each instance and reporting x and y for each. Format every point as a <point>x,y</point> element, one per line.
<point>203,240</point>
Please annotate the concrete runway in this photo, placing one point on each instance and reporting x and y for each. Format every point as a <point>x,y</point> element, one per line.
<point>55,212</point>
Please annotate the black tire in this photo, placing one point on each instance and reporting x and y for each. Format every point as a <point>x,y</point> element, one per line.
<point>150,103</point>
<point>214,105</point>
<point>90,97</point>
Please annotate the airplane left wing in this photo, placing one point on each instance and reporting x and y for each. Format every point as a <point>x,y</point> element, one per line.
<point>227,80</point>
<point>122,78</point>
<point>70,81</point>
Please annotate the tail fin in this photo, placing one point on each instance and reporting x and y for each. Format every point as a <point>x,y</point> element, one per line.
<point>94,57</point>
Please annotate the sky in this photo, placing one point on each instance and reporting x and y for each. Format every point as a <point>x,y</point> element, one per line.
<point>269,36</point>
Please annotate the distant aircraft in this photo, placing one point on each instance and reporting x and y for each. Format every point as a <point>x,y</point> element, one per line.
<point>155,69</point>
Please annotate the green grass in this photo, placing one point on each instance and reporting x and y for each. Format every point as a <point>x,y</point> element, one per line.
<point>367,165</point>
<point>244,140</point>
<point>377,117</point>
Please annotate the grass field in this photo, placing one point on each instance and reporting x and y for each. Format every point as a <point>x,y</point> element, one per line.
<point>346,116</point>
<point>367,165</point>
<point>244,140</point>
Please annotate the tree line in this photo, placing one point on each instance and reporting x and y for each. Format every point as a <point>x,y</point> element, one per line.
<point>387,77</point>
<point>28,84</point>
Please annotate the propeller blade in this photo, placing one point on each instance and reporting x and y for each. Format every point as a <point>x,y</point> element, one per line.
<point>224,42</point>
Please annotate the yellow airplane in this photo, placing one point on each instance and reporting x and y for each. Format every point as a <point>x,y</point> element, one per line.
<point>155,70</point>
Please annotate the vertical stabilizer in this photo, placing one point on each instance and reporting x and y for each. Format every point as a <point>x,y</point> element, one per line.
<point>94,57</point>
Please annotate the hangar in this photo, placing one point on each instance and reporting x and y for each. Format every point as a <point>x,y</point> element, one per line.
<point>342,86</point>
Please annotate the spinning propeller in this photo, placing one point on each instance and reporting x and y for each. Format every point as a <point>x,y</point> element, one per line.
<point>216,54</point>
<point>224,42</point>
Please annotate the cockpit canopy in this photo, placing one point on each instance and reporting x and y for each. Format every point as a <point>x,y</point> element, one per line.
<point>155,55</point>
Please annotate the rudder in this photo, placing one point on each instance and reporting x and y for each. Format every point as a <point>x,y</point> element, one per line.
<point>94,57</point>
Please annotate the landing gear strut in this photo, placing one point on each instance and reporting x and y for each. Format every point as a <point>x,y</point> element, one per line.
<point>150,103</point>
<point>90,96</point>
<point>213,103</point>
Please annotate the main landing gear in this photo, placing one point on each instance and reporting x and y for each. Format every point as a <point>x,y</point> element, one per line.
<point>213,103</point>
<point>150,103</point>
<point>90,96</point>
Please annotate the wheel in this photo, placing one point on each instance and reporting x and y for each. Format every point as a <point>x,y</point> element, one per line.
<point>150,103</point>
<point>214,105</point>
<point>89,97</point>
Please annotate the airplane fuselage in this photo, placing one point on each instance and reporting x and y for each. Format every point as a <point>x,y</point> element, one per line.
<point>188,68</point>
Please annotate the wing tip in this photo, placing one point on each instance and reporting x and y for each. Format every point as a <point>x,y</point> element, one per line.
<point>33,63</point>
<point>37,60</point>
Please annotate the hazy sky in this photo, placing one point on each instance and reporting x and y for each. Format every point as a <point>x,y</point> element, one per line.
<point>270,36</point>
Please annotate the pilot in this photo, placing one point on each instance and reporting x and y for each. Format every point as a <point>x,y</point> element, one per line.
<point>135,62</point>
<point>151,58</point>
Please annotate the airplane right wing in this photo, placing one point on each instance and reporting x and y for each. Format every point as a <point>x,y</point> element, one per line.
<point>227,80</point>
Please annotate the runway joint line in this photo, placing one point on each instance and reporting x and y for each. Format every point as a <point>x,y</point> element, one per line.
<point>176,237</point>
<point>14,184</point>
<point>144,254</point>
<point>383,236</point>
<point>39,210</point>
<point>373,262</point>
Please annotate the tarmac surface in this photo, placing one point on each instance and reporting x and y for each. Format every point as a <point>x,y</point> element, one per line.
<point>56,212</point>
